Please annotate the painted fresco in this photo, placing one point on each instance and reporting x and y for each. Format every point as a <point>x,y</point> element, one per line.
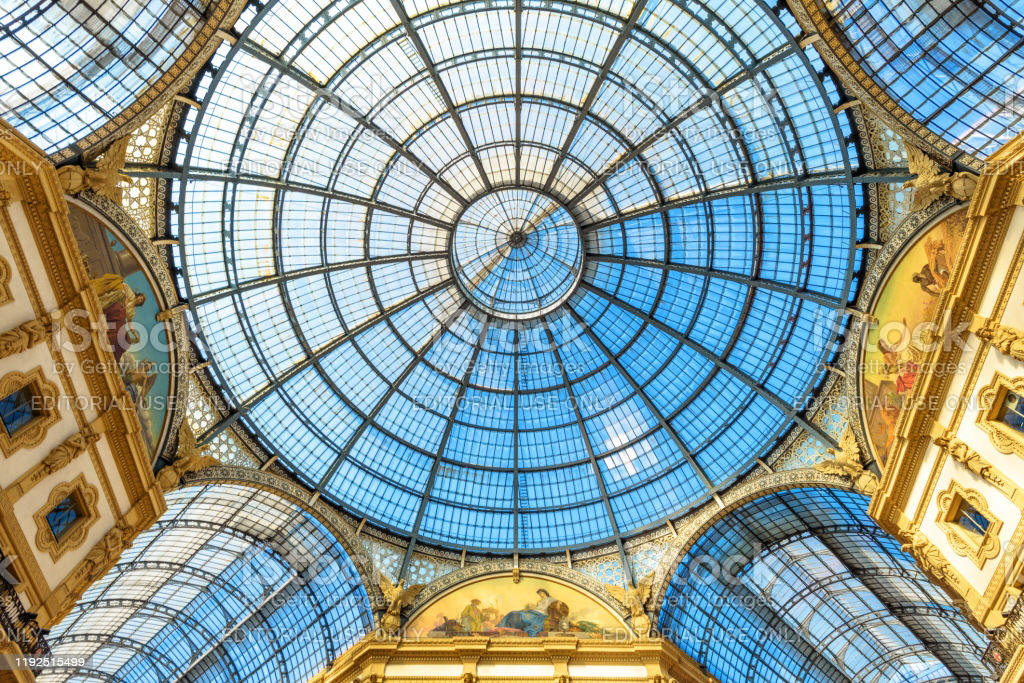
<point>534,607</point>
<point>894,346</point>
<point>138,341</point>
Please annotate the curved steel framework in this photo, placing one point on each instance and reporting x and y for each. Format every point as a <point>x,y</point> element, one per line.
<point>803,585</point>
<point>231,584</point>
<point>955,67</point>
<point>67,67</point>
<point>695,146</point>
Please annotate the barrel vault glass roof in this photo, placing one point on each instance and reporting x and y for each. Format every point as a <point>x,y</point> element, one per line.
<point>231,584</point>
<point>68,67</point>
<point>957,67</point>
<point>811,589</point>
<point>711,193</point>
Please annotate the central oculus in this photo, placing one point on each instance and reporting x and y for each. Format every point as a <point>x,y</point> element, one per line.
<point>516,253</point>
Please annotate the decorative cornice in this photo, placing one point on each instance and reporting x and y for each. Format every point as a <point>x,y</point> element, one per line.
<point>57,459</point>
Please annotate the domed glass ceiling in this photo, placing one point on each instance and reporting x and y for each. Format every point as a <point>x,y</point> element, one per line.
<point>517,275</point>
<point>954,66</point>
<point>68,67</point>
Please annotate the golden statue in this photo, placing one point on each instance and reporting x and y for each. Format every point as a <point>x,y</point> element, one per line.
<point>635,599</point>
<point>398,597</point>
<point>190,458</point>
<point>931,182</point>
<point>99,172</point>
<point>846,463</point>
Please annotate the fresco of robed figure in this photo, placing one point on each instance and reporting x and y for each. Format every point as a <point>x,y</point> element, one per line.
<point>129,304</point>
<point>907,301</point>
<point>532,608</point>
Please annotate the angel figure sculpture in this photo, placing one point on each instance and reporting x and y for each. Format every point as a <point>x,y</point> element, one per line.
<point>398,597</point>
<point>99,172</point>
<point>190,458</point>
<point>635,599</point>
<point>931,182</point>
<point>846,463</point>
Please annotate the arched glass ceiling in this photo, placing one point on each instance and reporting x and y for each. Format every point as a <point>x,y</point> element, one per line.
<point>230,584</point>
<point>692,144</point>
<point>957,67</point>
<point>802,585</point>
<point>68,67</point>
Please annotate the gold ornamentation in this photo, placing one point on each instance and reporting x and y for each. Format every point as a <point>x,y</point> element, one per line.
<point>100,173</point>
<point>5,281</point>
<point>970,458</point>
<point>929,558</point>
<point>84,496</point>
<point>109,549</point>
<point>24,336</point>
<point>44,395</point>
<point>398,596</point>
<point>846,463</point>
<point>931,183</point>
<point>990,400</point>
<point>1008,340</point>
<point>190,459</point>
<point>978,547</point>
<point>56,459</point>
<point>635,600</point>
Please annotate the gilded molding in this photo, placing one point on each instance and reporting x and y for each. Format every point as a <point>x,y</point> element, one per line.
<point>57,459</point>
<point>963,543</point>
<point>1004,438</point>
<point>968,457</point>
<point>25,336</point>
<point>1007,340</point>
<point>86,496</point>
<point>45,394</point>
<point>988,221</point>
<point>63,275</point>
<point>5,278</point>
<point>369,660</point>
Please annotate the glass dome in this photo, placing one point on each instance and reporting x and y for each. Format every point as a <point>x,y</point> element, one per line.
<point>957,67</point>
<point>517,275</point>
<point>68,67</point>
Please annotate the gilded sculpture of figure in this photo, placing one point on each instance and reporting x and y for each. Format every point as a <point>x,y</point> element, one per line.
<point>398,596</point>
<point>190,459</point>
<point>931,182</point>
<point>635,599</point>
<point>100,173</point>
<point>846,463</point>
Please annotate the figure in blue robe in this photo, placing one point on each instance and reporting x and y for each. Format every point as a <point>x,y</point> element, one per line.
<point>530,620</point>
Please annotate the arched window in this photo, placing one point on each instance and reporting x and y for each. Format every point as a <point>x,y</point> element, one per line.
<point>231,584</point>
<point>802,585</point>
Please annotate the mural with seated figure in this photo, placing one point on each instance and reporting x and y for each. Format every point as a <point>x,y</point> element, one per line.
<point>534,607</point>
<point>896,345</point>
<point>138,342</point>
